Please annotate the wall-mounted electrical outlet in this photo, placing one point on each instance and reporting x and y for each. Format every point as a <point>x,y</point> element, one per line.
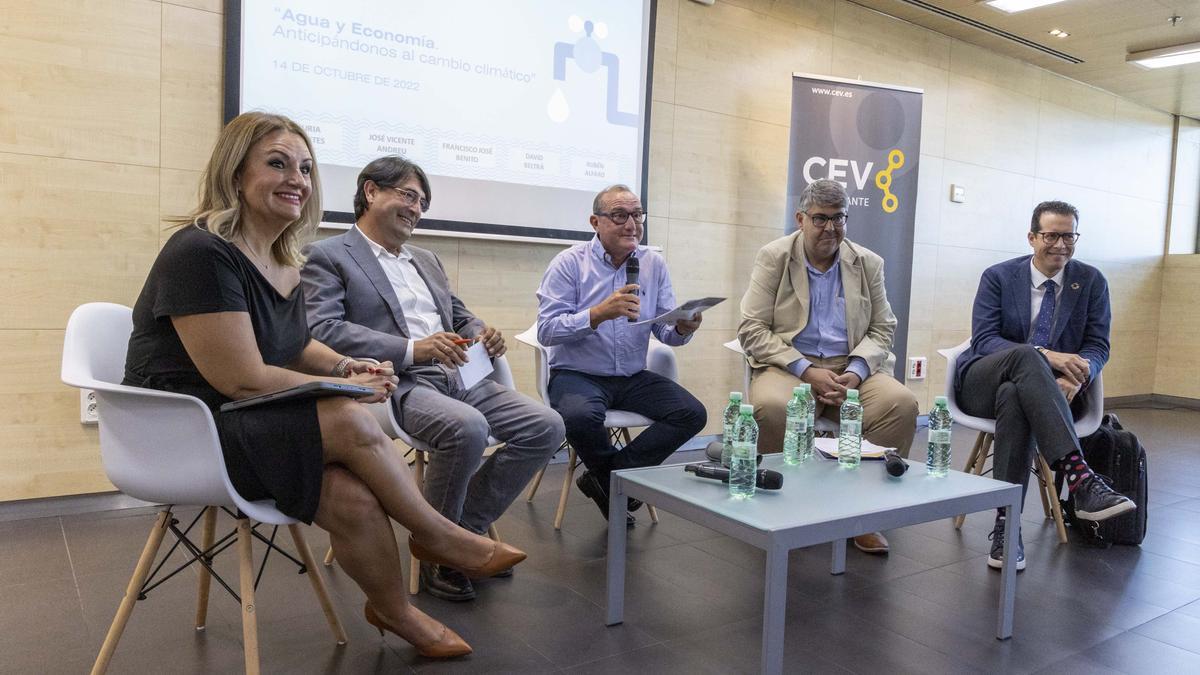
<point>89,412</point>
<point>916,368</point>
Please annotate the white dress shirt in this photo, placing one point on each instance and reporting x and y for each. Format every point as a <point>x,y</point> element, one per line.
<point>1037,292</point>
<point>420,313</point>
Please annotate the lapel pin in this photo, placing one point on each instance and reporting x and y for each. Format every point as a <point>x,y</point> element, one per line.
<point>1075,286</point>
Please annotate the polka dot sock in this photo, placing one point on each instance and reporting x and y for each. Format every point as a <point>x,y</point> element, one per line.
<point>1074,468</point>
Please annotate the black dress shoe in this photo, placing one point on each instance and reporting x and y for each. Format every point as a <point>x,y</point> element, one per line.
<point>633,505</point>
<point>590,486</point>
<point>446,583</point>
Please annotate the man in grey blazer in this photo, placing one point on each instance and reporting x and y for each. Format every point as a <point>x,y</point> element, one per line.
<point>370,293</point>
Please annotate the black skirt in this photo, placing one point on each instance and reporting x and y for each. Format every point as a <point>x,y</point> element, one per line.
<point>273,451</point>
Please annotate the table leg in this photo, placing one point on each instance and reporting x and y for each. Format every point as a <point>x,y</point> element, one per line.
<point>774,609</point>
<point>1008,572</point>
<point>838,564</point>
<point>616,552</point>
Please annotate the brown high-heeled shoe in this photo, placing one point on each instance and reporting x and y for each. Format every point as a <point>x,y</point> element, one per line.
<point>447,646</point>
<point>503,557</point>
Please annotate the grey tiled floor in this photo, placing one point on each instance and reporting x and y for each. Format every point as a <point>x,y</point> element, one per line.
<point>693,597</point>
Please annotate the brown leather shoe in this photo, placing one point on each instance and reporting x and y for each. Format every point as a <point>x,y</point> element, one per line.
<point>873,542</point>
<point>503,557</point>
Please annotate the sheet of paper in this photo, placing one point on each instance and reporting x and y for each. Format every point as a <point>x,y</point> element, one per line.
<point>477,367</point>
<point>828,447</point>
<point>687,310</point>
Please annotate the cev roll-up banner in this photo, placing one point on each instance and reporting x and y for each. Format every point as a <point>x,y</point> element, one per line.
<point>867,137</point>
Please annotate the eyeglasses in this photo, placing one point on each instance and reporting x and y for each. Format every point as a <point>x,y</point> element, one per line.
<point>822,221</point>
<point>1068,238</point>
<point>622,217</point>
<point>410,197</point>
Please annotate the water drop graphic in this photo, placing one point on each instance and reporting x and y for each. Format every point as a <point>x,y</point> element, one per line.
<point>557,108</point>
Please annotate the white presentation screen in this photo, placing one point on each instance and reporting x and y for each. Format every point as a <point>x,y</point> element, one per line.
<point>519,111</point>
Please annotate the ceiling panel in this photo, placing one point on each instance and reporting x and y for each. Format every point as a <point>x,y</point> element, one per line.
<point>1102,32</point>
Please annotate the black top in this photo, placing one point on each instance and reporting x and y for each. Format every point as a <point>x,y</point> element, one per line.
<point>198,272</point>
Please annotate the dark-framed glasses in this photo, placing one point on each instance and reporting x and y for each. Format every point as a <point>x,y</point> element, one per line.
<point>1052,238</point>
<point>821,220</point>
<point>410,197</point>
<point>622,217</point>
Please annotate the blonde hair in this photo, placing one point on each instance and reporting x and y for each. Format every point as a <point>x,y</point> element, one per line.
<point>220,207</point>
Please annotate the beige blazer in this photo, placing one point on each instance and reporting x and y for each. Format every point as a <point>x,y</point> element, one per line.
<point>775,307</point>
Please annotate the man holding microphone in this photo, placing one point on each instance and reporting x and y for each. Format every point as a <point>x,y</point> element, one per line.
<point>589,299</point>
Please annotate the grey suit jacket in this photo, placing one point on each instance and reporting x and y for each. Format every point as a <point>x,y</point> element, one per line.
<point>353,309</point>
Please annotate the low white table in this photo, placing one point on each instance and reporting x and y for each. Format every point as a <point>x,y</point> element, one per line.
<point>820,502</point>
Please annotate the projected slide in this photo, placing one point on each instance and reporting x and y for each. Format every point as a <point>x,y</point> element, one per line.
<point>519,110</point>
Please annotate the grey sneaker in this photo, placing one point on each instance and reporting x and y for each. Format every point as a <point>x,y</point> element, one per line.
<point>996,557</point>
<point>1096,501</point>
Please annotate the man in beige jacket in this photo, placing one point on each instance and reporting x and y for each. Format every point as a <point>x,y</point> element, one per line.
<point>817,312</point>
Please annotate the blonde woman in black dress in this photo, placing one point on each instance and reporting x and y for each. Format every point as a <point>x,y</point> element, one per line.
<point>221,317</point>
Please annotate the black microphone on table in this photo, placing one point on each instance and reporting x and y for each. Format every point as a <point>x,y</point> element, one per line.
<point>896,466</point>
<point>632,268</point>
<point>764,479</point>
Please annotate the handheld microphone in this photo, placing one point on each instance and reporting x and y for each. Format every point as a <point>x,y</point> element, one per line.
<point>764,479</point>
<point>632,268</point>
<point>896,466</point>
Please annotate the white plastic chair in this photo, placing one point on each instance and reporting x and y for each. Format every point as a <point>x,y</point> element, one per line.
<point>824,424</point>
<point>385,414</point>
<point>659,359</point>
<point>163,448</point>
<point>1086,425</point>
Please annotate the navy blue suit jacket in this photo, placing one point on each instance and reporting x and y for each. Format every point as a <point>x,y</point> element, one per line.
<point>1002,314</point>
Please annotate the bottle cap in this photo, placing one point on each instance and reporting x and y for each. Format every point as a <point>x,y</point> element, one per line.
<point>747,409</point>
<point>851,394</point>
<point>735,396</point>
<point>806,387</point>
<point>940,400</point>
<point>797,391</point>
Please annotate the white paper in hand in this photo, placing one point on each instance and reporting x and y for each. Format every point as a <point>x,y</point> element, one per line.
<point>477,367</point>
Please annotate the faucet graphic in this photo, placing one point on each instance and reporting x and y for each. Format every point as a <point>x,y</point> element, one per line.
<point>589,57</point>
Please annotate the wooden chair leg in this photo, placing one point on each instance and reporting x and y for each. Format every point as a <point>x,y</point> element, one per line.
<point>1046,478</point>
<point>206,542</point>
<point>329,556</point>
<point>537,480</point>
<point>566,489</point>
<point>653,513</point>
<point>1042,487</point>
<point>318,584</point>
<point>493,533</point>
<point>972,466</point>
<point>249,609</point>
<point>140,571</point>
<point>414,565</point>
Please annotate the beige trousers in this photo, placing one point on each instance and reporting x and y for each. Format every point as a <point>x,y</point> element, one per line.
<point>889,408</point>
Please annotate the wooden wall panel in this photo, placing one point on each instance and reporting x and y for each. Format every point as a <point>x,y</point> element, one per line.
<point>80,79</point>
<point>77,231</point>
<point>191,86</point>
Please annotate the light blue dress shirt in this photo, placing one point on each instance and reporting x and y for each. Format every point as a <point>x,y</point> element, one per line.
<point>825,333</point>
<point>580,278</point>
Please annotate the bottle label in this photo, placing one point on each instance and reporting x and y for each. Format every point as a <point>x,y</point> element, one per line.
<point>939,436</point>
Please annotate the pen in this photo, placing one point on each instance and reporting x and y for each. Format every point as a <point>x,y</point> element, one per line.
<point>463,341</point>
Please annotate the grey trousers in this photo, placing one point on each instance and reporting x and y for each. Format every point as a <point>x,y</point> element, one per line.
<point>456,424</point>
<point>1016,387</point>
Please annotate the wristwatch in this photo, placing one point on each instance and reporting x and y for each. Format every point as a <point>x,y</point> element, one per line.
<point>1041,350</point>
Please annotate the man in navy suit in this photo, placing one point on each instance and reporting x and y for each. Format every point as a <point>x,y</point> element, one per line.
<point>1039,337</point>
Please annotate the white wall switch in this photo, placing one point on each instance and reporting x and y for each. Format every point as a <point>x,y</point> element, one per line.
<point>958,194</point>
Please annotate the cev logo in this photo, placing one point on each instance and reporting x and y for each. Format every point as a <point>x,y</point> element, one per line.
<point>883,181</point>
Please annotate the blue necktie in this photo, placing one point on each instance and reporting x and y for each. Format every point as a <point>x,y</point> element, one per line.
<point>1045,317</point>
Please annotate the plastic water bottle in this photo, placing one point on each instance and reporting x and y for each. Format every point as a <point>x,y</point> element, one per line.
<point>850,436</point>
<point>795,428</point>
<point>730,418</point>
<point>937,457</point>
<point>744,461</point>
<point>806,452</point>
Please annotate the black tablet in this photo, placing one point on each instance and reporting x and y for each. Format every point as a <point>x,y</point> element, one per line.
<point>306,390</point>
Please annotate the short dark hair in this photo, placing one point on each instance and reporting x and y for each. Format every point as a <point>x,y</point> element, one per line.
<point>1059,208</point>
<point>387,171</point>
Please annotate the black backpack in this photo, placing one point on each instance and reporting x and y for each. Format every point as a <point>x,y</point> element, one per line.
<point>1117,458</point>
